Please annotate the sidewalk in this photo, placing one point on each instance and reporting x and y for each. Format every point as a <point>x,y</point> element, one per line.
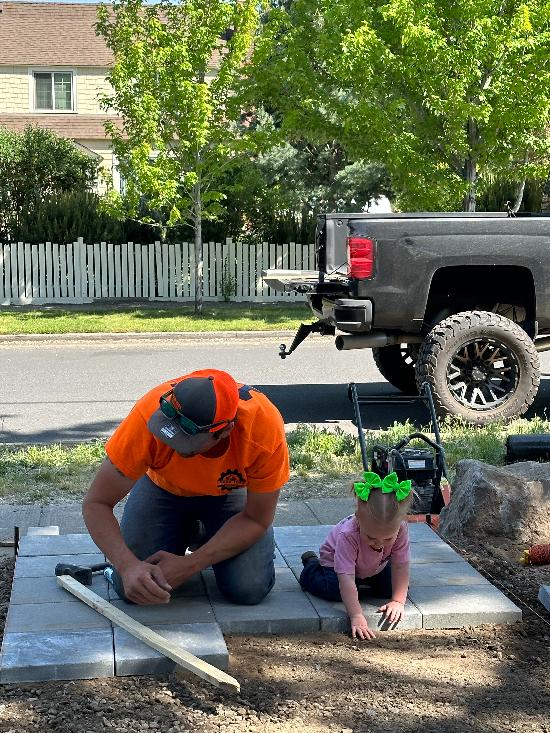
<point>68,516</point>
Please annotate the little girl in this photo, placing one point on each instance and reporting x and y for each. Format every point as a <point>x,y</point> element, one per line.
<point>369,547</point>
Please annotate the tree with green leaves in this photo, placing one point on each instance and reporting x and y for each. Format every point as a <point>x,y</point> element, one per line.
<point>35,164</point>
<point>447,95</point>
<point>175,68</point>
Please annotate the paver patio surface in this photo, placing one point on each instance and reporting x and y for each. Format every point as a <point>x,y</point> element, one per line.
<point>51,635</point>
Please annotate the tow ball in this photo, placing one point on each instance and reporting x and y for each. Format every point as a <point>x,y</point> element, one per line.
<point>303,332</point>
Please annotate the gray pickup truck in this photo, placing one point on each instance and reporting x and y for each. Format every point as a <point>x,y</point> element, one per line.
<point>458,300</point>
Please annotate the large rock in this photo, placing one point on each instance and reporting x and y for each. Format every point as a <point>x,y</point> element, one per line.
<point>508,502</point>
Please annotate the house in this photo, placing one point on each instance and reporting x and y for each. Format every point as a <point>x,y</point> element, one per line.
<point>53,70</point>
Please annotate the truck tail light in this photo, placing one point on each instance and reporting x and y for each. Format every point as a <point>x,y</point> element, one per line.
<point>360,257</point>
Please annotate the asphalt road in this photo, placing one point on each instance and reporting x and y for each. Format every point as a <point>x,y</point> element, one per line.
<point>71,391</point>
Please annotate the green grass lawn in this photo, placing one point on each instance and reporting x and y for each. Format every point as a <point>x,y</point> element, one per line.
<point>57,473</point>
<point>214,317</point>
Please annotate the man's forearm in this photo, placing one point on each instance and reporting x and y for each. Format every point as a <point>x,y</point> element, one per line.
<point>105,531</point>
<point>237,534</point>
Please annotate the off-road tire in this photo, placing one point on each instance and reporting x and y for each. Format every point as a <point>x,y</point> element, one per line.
<point>460,358</point>
<point>397,365</point>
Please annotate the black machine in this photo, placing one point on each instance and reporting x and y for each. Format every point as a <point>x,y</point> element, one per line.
<point>425,467</point>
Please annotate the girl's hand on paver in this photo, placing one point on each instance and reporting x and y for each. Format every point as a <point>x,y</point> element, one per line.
<point>394,611</point>
<point>360,628</point>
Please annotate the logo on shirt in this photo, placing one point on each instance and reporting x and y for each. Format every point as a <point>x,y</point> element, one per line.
<point>230,479</point>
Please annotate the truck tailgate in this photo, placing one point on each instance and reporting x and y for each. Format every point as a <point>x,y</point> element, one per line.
<point>302,281</point>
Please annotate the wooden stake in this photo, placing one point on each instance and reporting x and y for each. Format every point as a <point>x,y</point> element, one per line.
<point>186,660</point>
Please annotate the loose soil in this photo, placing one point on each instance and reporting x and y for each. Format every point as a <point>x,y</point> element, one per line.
<point>491,678</point>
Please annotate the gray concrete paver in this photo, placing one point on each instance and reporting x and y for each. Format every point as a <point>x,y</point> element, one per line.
<point>47,590</point>
<point>334,618</point>
<point>281,612</point>
<point>293,556</point>
<point>287,538</point>
<point>67,544</point>
<point>45,617</point>
<point>284,581</point>
<point>428,552</point>
<point>192,588</point>
<point>178,611</point>
<point>36,566</point>
<point>50,529</point>
<point>421,532</point>
<point>279,560</point>
<point>204,640</point>
<point>446,574</point>
<point>453,606</point>
<point>43,656</point>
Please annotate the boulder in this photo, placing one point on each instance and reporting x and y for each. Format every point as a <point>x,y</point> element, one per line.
<point>509,502</point>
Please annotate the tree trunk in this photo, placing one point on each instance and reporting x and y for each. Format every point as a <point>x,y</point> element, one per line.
<point>518,198</point>
<point>470,168</point>
<point>197,225</point>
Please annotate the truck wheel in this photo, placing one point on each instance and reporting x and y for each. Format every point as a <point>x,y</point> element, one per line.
<point>480,366</point>
<point>397,365</point>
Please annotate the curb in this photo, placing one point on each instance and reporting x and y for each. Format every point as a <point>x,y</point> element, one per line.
<point>132,335</point>
<point>345,425</point>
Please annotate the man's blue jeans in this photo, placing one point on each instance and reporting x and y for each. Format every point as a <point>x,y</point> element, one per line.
<point>323,582</point>
<point>155,519</point>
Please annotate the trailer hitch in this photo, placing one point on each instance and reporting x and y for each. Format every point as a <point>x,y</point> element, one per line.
<point>303,332</point>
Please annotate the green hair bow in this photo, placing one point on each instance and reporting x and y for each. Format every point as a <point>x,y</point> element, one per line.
<point>388,484</point>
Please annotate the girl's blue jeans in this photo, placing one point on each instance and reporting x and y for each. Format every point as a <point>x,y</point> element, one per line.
<point>323,582</point>
<point>155,519</point>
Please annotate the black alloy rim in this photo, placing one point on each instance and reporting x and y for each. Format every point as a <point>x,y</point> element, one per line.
<point>483,374</point>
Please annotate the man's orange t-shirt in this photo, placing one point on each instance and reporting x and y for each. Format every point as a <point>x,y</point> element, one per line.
<point>257,456</point>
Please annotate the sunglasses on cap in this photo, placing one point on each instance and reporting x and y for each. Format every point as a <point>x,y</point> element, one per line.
<point>188,426</point>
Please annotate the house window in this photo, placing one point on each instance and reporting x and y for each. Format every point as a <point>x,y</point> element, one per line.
<point>53,90</point>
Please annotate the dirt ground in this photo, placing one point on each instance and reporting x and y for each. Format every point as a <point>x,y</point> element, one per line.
<point>483,679</point>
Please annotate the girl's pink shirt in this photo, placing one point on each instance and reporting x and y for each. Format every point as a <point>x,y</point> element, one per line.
<point>350,554</point>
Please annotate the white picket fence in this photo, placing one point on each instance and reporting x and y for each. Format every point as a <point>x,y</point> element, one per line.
<point>81,273</point>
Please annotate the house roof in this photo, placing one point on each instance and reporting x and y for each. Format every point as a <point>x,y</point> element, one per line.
<point>51,34</point>
<point>75,127</point>
<point>54,34</point>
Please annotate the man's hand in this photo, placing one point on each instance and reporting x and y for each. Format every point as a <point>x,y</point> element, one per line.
<point>176,569</point>
<point>145,584</point>
<point>394,611</point>
<point>360,628</point>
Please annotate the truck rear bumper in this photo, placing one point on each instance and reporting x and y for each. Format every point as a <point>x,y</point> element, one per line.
<point>353,316</point>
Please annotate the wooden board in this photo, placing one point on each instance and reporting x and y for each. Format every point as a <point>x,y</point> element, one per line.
<point>186,660</point>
